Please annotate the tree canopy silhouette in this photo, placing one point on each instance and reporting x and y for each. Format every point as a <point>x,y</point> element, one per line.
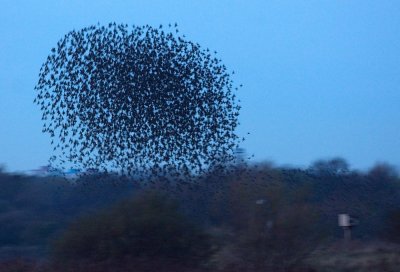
<point>137,98</point>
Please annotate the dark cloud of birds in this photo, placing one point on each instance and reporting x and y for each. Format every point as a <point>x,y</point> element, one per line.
<point>137,99</point>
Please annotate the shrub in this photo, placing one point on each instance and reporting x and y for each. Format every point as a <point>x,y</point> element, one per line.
<point>146,227</point>
<point>279,229</point>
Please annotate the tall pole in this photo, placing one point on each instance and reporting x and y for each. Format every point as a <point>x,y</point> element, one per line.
<point>347,233</point>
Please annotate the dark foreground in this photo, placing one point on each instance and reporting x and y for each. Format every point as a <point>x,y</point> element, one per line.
<point>253,218</point>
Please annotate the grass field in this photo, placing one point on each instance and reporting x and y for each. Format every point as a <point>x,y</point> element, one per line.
<point>357,256</point>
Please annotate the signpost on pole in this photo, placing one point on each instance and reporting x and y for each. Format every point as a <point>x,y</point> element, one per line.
<point>346,222</point>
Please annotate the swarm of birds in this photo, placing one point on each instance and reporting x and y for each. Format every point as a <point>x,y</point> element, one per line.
<point>137,98</point>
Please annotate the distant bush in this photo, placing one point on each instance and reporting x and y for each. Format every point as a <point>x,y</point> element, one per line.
<point>148,227</point>
<point>278,229</point>
<point>392,226</point>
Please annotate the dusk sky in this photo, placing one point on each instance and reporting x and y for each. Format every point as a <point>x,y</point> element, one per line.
<point>320,79</point>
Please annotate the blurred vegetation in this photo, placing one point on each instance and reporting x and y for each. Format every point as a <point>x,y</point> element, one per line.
<point>148,227</point>
<point>252,218</point>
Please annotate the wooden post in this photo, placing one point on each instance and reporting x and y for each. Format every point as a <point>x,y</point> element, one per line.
<point>347,233</point>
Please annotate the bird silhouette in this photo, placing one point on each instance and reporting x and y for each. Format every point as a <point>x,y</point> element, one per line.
<point>137,98</point>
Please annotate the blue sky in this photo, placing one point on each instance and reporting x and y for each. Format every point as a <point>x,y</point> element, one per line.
<point>320,78</point>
